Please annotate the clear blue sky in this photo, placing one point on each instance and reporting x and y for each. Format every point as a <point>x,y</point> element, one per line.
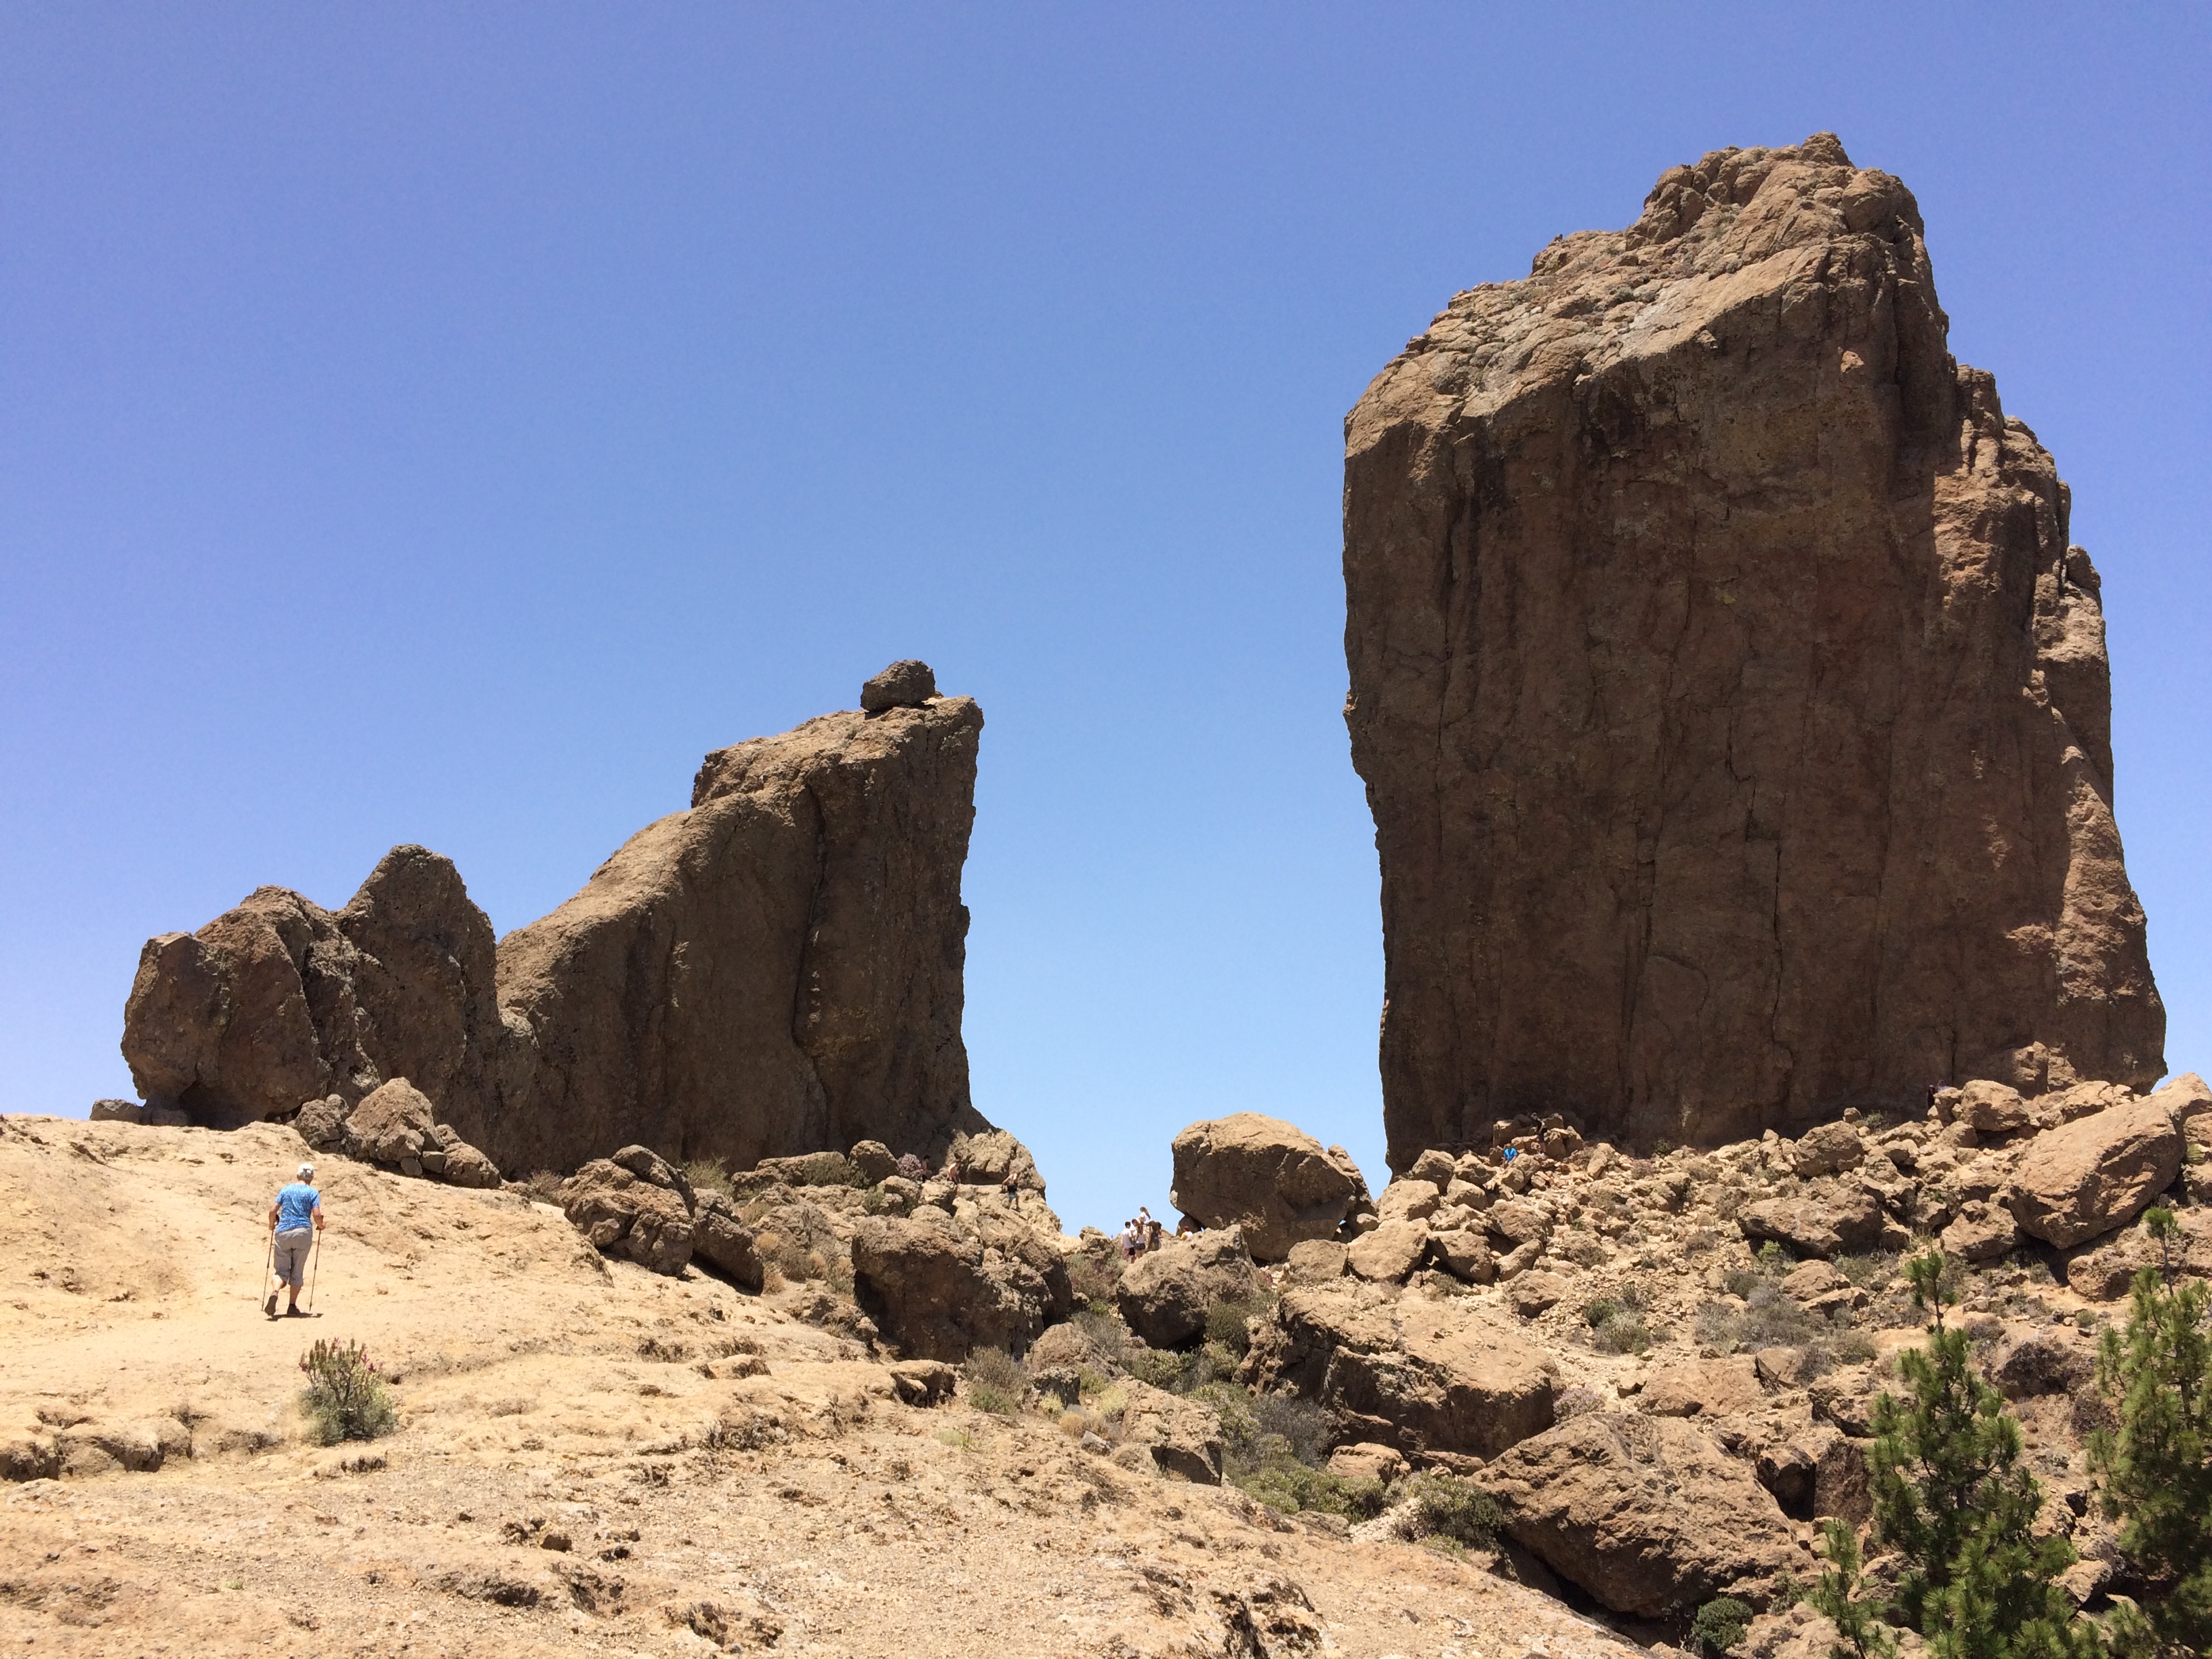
<point>445,424</point>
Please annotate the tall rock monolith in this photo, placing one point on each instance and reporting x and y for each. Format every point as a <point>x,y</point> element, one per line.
<point>776,970</point>
<point>1733,708</point>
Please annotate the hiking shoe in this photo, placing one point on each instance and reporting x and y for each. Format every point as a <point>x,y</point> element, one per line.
<point>269,1306</point>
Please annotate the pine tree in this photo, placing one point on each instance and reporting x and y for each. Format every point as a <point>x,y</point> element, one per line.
<point>2156,1472</point>
<point>1951,1496</point>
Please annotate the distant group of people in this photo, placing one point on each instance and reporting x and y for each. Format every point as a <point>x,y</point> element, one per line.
<point>1141,1233</point>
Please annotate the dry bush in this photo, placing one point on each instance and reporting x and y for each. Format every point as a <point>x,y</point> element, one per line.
<point>707,1175</point>
<point>996,1383</point>
<point>543,1187</point>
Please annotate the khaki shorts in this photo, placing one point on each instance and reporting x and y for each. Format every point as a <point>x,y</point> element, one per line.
<point>292,1249</point>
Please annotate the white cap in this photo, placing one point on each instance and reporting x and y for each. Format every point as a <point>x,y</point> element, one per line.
<point>306,1172</point>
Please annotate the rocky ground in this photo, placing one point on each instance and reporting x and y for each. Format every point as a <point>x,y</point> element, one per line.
<point>1646,1379</point>
<point>722,1473</point>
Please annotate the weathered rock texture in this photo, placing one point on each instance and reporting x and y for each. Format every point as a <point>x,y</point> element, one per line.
<point>280,1001</point>
<point>1270,1178</point>
<point>1734,711</point>
<point>775,971</point>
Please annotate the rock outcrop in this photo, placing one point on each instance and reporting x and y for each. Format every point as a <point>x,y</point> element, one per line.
<point>1646,1513</point>
<point>1268,1177</point>
<point>1423,1376</point>
<point>280,1001</point>
<point>774,971</point>
<point>1733,709</point>
<point>939,1289</point>
<point>1165,1294</point>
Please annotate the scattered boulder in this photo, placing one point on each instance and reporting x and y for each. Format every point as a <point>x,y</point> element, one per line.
<point>1367,1462</point>
<point>391,1126</point>
<point>1165,1295</point>
<point>322,1123</point>
<point>2090,1177</point>
<point>939,1290</point>
<point>629,1207</point>
<point>1407,1372</point>
<point>1182,1436</point>
<point>1408,1200</point>
<point>1646,1514</point>
<point>1983,1232</point>
<point>923,1382</point>
<point>1316,1261</point>
<point>1993,1108</point>
<point>2104,1274</point>
<point>1534,1293</point>
<point>724,1243</point>
<point>1764,353</point>
<point>1389,1253</point>
<point>1837,1221</point>
<point>1703,1388</point>
<point>872,1161</point>
<point>1464,1255</point>
<point>811,1169</point>
<point>1827,1149</point>
<point>1268,1177</point>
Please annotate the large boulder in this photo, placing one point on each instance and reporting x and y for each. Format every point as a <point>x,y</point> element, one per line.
<point>280,1001</point>
<point>1733,708</point>
<point>1647,1513</point>
<point>1182,1436</point>
<point>2094,1175</point>
<point>392,1125</point>
<point>1406,1372</point>
<point>774,971</point>
<point>724,1243</point>
<point>1826,1222</point>
<point>1268,1177</point>
<point>1165,1294</point>
<point>939,1290</point>
<point>632,1206</point>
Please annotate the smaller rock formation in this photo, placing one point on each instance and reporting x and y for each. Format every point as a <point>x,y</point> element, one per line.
<point>1165,1294</point>
<point>1183,1436</point>
<point>1646,1513</point>
<point>634,1204</point>
<point>280,1001</point>
<point>939,1288</point>
<point>395,1126</point>
<point>1266,1176</point>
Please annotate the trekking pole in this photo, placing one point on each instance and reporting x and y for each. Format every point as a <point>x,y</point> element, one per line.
<point>268,1266</point>
<point>314,1269</point>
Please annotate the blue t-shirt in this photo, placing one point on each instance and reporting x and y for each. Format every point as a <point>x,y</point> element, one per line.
<point>295,1207</point>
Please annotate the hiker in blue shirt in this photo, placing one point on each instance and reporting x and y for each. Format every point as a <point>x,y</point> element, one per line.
<point>293,1220</point>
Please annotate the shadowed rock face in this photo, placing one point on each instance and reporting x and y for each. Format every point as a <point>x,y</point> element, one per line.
<point>775,971</point>
<point>1733,709</point>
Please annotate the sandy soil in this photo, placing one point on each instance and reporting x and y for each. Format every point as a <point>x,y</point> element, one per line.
<point>723,1474</point>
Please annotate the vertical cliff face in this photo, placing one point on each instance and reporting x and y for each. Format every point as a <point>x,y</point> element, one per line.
<point>1733,708</point>
<point>777,970</point>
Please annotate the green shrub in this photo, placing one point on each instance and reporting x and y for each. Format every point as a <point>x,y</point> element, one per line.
<point>1869,1272</point>
<point>1622,1331</point>
<point>1952,1497</point>
<point>707,1175</point>
<point>2155,1472</point>
<point>344,1397</point>
<point>1720,1627</point>
<point>1449,1507</point>
<point>996,1383</point>
<point>1093,1279</point>
<point>1230,1323</point>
